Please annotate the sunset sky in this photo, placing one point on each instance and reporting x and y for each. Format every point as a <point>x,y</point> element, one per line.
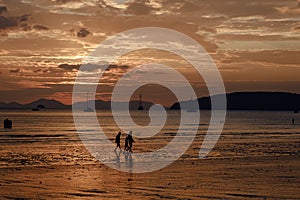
<point>255,43</point>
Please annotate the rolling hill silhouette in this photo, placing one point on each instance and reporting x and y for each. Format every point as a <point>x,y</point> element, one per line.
<point>251,101</point>
<point>235,101</point>
<point>54,104</point>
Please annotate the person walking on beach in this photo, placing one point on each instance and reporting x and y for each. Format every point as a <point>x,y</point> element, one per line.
<point>126,144</point>
<point>293,121</point>
<point>118,141</point>
<point>130,141</point>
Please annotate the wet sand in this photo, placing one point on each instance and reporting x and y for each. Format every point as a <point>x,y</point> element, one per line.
<point>250,161</point>
<point>224,178</point>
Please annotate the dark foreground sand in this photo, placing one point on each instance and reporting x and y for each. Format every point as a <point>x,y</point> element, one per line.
<point>275,177</point>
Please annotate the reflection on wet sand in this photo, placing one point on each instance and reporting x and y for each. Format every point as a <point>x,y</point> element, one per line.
<point>256,157</point>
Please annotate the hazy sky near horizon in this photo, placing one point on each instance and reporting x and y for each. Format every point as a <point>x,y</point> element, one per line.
<point>255,44</point>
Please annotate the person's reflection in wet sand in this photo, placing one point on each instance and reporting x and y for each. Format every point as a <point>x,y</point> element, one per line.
<point>118,158</point>
<point>128,160</point>
<point>126,156</point>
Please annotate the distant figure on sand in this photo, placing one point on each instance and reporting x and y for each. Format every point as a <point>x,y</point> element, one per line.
<point>118,141</point>
<point>7,124</point>
<point>293,121</point>
<point>126,143</point>
<point>130,141</point>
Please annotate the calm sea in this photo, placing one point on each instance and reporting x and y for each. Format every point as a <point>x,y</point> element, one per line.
<point>50,138</point>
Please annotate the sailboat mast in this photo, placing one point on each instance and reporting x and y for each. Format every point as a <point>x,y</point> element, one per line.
<point>88,109</point>
<point>87,100</point>
<point>140,103</point>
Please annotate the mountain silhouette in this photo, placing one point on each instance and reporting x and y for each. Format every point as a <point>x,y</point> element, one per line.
<point>250,101</point>
<point>106,105</point>
<point>54,104</point>
<point>47,103</point>
<point>235,101</point>
<point>12,105</point>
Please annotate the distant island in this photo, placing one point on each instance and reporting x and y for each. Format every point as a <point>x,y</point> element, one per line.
<point>250,101</point>
<point>235,101</point>
<point>45,103</point>
<point>54,104</point>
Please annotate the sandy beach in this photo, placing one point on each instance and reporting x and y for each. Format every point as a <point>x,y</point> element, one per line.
<point>247,177</point>
<point>254,178</point>
<point>256,157</point>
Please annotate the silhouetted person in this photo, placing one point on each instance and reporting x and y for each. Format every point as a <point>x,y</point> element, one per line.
<point>7,123</point>
<point>126,143</point>
<point>130,141</point>
<point>293,121</point>
<point>118,141</point>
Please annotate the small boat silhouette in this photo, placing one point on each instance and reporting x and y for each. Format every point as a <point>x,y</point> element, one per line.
<point>38,108</point>
<point>7,124</point>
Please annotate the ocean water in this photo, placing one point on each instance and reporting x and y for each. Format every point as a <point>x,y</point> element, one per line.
<point>49,137</point>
